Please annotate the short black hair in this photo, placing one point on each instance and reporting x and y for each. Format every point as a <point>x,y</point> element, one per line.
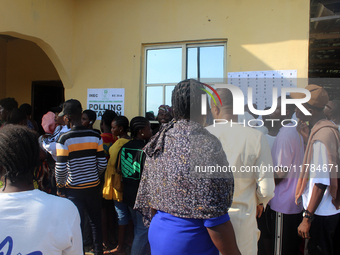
<point>185,96</point>
<point>9,103</point>
<point>91,114</point>
<point>27,108</point>
<point>122,121</point>
<point>226,98</point>
<point>19,152</point>
<point>108,117</point>
<point>136,124</point>
<point>16,116</point>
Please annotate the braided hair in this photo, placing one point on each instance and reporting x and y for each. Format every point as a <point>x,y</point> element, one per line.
<point>122,121</point>
<point>19,152</point>
<point>136,124</point>
<point>185,96</point>
<point>108,117</point>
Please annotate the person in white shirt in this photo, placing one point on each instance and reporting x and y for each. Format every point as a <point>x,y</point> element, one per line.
<point>245,147</point>
<point>32,222</point>
<point>318,185</point>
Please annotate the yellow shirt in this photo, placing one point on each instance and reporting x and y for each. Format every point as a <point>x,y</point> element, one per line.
<point>113,187</point>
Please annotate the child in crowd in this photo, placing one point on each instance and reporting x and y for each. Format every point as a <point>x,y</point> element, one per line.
<point>113,189</point>
<point>107,206</point>
<point>131,164</point>
<point>105,127</point>
<point>88,118</point>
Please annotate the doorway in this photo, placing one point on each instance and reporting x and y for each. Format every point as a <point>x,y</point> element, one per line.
<point>45,95</point>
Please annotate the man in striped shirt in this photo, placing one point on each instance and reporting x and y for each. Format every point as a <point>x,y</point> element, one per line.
<point>80,163</point>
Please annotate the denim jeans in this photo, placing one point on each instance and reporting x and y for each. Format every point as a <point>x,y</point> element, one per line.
<point>89,199</point>
<point>123,213</point>
<point>140,245</point>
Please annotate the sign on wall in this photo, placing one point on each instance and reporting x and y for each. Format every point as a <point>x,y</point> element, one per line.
<point>100,100</point>
<point>262,84</point>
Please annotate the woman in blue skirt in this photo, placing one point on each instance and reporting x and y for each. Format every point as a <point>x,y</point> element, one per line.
<point>188,205</point>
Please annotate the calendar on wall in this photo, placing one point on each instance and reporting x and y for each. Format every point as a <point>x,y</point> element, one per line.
<point>262,84</point>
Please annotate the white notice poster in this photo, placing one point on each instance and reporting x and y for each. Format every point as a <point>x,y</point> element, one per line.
<point>100,100</point>
<point>262,84</point>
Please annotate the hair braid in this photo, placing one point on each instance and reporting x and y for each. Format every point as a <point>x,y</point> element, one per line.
<point>19,152</point>
<point>136,124</point>
<point>185,96</point>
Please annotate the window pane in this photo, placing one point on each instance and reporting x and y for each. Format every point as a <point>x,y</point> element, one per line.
<point>168,94</point>
<point>154,98</point>
<point>164,66</point>
<point>192,63</point>
<point>211,64</point>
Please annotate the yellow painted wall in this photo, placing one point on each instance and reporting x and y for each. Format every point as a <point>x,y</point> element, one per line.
<point>26,62</point>
<point>3,61</point>
<point>48,23</point>
<point>262,35</point>
<point>98,43</point>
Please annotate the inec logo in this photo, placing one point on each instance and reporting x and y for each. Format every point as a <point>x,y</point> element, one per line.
<point>105,93</point>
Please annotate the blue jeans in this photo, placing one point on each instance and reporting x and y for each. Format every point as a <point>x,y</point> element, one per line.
<point>140,245</point>
<point>123,213</point>
<point>90,199</point>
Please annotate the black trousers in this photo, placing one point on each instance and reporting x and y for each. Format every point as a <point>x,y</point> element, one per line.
<point>279,234</point>
<point>90,199</point>
<point>325,235</point>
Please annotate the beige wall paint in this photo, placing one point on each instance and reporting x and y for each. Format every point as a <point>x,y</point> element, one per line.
<point>99,44</point>
<point>3,61</point>
<point>262,35</point>
<point>26,62</point>
<point>48,23</point>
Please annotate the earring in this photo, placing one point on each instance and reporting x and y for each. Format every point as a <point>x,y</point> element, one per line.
<point>142,134</point>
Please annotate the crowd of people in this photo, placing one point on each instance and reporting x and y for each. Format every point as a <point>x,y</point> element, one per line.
<point>150,184</point>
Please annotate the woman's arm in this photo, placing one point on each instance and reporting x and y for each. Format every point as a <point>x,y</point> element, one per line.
<point>223,237</point>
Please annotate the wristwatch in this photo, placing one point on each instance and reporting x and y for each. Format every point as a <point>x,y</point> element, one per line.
<point>307,215</point>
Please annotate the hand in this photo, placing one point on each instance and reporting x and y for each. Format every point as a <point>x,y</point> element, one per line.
<point>259,210</point>
<point>303,229</point>
<point>303,130</point>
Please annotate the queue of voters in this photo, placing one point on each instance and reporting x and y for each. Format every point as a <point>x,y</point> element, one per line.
<point>133,187</point>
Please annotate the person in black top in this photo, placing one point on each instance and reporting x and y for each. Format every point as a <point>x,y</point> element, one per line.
<point>131,162</point>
